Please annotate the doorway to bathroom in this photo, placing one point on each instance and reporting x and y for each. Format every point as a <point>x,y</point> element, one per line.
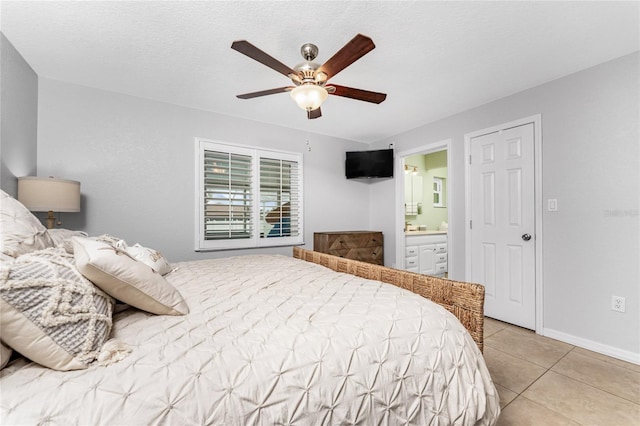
<point>423,210</point>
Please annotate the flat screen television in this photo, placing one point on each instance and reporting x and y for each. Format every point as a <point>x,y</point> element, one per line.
<point>369,164</point>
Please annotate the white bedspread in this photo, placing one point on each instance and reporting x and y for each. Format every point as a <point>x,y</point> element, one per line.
<point>270,340</point>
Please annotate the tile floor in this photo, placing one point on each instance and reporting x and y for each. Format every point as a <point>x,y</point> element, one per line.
<point>542,381</point>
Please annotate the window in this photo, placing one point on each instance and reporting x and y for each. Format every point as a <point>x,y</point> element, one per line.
<point>437,192</point>
<point>247,197</point>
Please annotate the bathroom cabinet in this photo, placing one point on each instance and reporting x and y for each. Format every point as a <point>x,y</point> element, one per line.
<point>427,253</point>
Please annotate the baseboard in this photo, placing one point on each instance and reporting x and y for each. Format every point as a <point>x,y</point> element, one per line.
<point>611,351</point>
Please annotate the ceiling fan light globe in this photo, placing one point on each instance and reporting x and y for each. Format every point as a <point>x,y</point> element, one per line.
<point>309,96</point>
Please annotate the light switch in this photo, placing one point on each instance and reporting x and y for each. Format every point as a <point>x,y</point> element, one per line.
<point>552,205</point>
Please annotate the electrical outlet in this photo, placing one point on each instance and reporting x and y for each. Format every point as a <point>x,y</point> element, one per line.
<point>617,303</point>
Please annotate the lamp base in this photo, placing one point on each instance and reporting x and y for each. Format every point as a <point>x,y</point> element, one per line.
<point>51,220</point>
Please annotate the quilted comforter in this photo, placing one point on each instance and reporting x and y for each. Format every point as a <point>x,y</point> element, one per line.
<point>270,340</point>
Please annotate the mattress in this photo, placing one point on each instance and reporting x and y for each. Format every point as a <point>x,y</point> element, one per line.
<point>270,340</point>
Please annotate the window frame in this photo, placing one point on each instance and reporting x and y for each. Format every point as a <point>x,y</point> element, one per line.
<point>256,239</point>
<point>438,184</point>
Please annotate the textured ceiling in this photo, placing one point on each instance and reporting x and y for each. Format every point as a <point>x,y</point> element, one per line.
<point>433,59</point>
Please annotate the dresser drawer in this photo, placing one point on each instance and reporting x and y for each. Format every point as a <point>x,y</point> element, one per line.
<point>441,257</point>
<point>441,248</point>
<point>411,262</point>
<point>411,251</point>
<point>337,241</point>
<point>366,254</point>
<point>441,268</point>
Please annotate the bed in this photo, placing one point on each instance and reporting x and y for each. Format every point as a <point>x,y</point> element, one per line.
<point>270,339</point>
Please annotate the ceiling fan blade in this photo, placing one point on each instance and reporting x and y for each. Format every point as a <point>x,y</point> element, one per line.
<point>359,46</point>
<point>265,92</point>
<point>316,113</point>
<point>253,52</point>
<point>359,94</point>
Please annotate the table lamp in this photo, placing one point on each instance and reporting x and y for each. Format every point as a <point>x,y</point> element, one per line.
<point>40,194</point>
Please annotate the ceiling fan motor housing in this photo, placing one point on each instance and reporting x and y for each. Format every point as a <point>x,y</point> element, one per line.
<point>309,51</point>
<point>307,69</point>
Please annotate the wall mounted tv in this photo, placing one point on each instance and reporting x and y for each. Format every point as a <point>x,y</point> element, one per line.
<point>369,164</point>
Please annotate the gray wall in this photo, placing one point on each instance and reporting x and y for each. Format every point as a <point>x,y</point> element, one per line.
<point>135,160</point>
<point>591,163</point>
<point>18,117</point>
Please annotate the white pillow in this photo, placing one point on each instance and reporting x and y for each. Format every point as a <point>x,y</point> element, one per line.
<point>126,279</point>
<point>20,231</point>
<point>150,257</point>
<point>50,313</point>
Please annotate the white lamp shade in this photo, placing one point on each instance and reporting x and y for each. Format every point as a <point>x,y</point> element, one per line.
<point>40,194</point>
<point>309,96</point>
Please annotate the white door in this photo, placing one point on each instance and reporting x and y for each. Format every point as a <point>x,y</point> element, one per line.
<point>503,221</point>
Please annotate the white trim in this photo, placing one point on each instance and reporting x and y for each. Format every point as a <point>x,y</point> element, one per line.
<point>199,177</point>
<point>611,351</point>
<point>536,120</point>
<point>443,145</point>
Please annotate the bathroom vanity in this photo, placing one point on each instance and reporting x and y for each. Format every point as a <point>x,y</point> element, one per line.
<point>426,252</point>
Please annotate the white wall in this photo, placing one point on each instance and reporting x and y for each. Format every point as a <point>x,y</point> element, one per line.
<point>591,163</point>
<point>135,161</point>
<point>18,117</point>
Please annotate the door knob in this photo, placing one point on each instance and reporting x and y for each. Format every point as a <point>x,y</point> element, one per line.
<point>526,237</point>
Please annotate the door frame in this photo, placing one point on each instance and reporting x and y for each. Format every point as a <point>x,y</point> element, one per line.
<point>443,145</point>
<point>536,120</point>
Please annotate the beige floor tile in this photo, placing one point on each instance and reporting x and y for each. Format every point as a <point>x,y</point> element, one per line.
<point>510,372</point>
<point>605,358</point>
<point>582,403</point>
<point>602,375</point>
<point>492,326</point>
<point>524,412</point>
<point>527,345</point>
<point>506,396</point>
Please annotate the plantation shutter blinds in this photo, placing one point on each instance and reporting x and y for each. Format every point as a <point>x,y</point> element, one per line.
<point>247,196</point>
<point>228,211</point>
<point>280,190</point>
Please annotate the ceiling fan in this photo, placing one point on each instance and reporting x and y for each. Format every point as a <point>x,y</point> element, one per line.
<point>310,79</point>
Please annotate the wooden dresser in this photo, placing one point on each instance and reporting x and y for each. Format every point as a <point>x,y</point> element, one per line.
<point>365,246</point>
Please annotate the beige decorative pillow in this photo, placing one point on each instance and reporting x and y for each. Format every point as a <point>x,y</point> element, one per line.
<point>5,258</point>
<point>108,238</point>
<point>5,355</point>
<point>20,231</point>
<point>126,279</point>
<point>50,313</point>
<point>150,257</point>
<point>62,238</point>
